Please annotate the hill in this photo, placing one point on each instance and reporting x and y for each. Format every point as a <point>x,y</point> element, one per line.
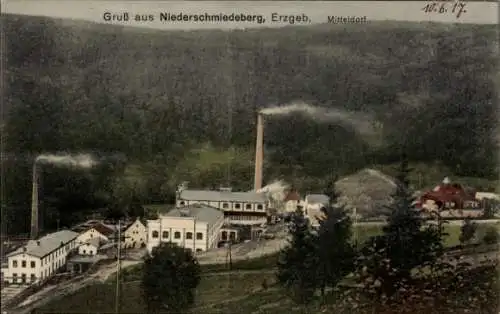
<point>157,96</point>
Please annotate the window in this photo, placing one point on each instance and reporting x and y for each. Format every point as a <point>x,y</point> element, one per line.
<point>32,277</point>
<point>155,234</point>
<point>14,263</point>
<point>182,203</point>
<point>32,264</point>
<point>164,234</point>
<point>199,236</point>
<point>14,277</point>
<point>189,235</point>
<point>260,207</point>
<point>224,236</point>
<point>199,250</point>
<point>248,206</point>
<point>177,235</point>
<point>232,235</point>
<point>23,264</point>
<point>225,205</point>
<point>237,205</point>
<point>23,278</point>
<point>84,251</point>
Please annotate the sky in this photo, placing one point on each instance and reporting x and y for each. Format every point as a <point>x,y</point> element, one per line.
<point>316,11</point>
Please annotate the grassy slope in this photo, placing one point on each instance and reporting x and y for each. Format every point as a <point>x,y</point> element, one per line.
<point>231,293</point>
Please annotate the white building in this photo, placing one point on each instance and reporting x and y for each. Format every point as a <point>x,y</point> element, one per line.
<point>193,226</point>
<point>313,204</point>
<point>136,235</point>
<point>238,207</point>
<point>98,231</point>
<point>40,259</point>
<point>90,247</point>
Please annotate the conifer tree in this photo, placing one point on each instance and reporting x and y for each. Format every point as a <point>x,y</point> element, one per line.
<point>335,249</point>
<point>386,261</point>
<point>297,265</point>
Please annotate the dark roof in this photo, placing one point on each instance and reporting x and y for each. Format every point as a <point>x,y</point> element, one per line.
<point>104,230</point>
<point>292,196</point>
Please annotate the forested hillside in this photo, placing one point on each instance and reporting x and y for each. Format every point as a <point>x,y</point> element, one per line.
<point>181,105</point>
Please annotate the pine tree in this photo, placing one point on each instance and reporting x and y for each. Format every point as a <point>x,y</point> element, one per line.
<point>335,250</point>
<point>387,260</point>
<point>297,265</point>
<point>171,274</point>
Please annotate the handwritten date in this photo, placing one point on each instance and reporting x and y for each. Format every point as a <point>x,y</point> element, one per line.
<point>444,7</point>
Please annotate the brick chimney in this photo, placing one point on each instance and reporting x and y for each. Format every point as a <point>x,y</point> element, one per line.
<point>259,152</point>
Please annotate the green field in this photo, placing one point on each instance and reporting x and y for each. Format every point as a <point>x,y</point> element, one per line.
<point>100,298</point>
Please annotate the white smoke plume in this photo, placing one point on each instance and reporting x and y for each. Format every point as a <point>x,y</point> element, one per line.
<point>82,160</point>
<point>362,123</point>
<point>275,190</point>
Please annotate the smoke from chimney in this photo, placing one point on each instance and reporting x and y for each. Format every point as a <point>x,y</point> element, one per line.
<point>82,160</point>
<point>259,153</point>
<point>34,204</point>
<point>360,122</point>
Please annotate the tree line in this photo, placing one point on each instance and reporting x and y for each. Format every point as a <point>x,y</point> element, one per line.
<point>159,97</point>
<point>403,268</point>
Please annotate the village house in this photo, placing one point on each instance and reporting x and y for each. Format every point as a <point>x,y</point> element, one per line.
<point>97,230</point>
<point>313,205</point>
<point>291,201</point>
<point>39,259</point>
<point>194,227</point>
<point>135,235</point>
<point>90,247</point>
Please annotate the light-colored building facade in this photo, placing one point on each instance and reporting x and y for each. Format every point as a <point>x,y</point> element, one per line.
<point>40,259</point>
<point>90,247</point>
<point>291,201</point>
<point>135,235</point>
<point>195,227</point>
<point>94,233</point>
<point>312,206</point>
<point>238,207</point>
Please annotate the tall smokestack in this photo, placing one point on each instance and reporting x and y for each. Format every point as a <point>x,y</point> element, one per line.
<point>259,152</point>
<point>34,204</point>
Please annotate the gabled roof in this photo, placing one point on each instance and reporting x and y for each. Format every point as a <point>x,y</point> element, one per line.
<point>292,196</point>
<point>133,223</point>
<point>46,244</point>
<point>94,242</point>
<point>200,212</point>
<point>317,199</point>
<point>216,196</point>
<point>102,229</point>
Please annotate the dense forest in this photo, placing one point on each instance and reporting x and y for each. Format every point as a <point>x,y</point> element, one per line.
<point>158,108</point>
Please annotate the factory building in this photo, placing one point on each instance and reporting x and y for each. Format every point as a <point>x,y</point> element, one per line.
<point>239,208</point>
<point>192,226</point>
<point>40,259</point>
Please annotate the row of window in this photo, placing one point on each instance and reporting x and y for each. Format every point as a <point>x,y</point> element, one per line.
<point>235,206</point>
<point>23,278</point>
<point>241,217</point>
<point>177,235</point>
<point>23,264</point>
